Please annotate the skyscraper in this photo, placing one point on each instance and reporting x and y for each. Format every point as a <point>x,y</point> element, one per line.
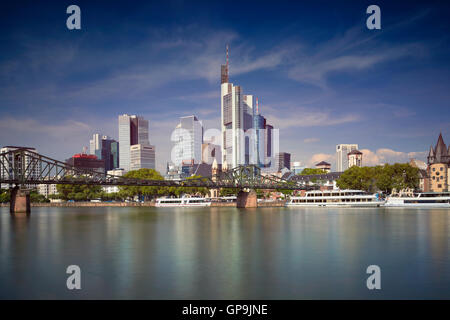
<point>342,150</point>
<point>105,148</point>
<point>236,120</point>
<point>133,130</point>
<point>283,160</point>
<point>269,150</point>
<point>259,145</point>
<point>187,138</point>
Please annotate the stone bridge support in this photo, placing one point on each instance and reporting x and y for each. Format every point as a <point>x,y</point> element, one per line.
<point>246,199</point>
<point>20,201</point>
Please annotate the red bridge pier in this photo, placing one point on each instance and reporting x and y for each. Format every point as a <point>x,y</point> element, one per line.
<point>246,199</point>
<point>20,201</point>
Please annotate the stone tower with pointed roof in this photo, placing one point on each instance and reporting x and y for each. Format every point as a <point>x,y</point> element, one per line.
<point>439,166</point>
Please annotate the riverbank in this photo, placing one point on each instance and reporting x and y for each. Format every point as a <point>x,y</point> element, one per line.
<point>137,204</point>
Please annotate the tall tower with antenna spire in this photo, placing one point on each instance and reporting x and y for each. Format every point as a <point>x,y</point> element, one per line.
<point>239,141</point>
<point>224,71</point>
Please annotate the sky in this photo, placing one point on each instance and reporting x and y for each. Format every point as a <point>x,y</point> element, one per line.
<point>321,76</point>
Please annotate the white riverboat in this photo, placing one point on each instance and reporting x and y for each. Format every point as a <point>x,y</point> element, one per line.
<point>183,202</point>
<point>336,198</point>
<point>422,199</point>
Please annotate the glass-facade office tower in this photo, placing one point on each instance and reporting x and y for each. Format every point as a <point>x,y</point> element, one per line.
<point>342,150</point>
<point>187,138</point>
<point>133,130</point>
<point>236,122</point>
<point>105,148</point>
<point>268,139</point>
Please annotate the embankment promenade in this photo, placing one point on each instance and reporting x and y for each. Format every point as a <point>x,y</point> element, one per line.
<point>137,204</point>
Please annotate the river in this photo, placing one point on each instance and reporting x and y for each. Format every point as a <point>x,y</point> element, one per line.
<point>225,253</point>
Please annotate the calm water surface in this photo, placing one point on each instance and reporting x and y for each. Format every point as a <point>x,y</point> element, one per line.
<point>225,253</point>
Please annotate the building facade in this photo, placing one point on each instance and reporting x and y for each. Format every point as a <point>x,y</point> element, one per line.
<point>47,189</point>
<point>133,130</point>
<point>354,158</point>
<point>188,139</point>
<point>283,160</point>
<point>87,162</point>
<point>342,150</point>
<point>105,148</point>
<point>239,141</point>
<point>142,157</point>
<point>118,173</point>
<point>16,165</point>
<point>323,165</point>
<point>439,166</point>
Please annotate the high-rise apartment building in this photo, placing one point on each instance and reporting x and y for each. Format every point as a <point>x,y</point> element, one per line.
<point>15,166</point>
<point>105,148</point>
<point>133,130</point>
<point>342,151</point>
<point>187,138</point>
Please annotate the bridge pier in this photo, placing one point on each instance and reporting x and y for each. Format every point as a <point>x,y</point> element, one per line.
<point>20,201</point>
<point>246,199</point>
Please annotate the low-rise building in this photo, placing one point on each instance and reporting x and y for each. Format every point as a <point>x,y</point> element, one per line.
<point>439,166</point>
<point>47,189</point>
<point>87,162</point>
<point>355,158</point>
<point>324,166</point>
<point>115,172</point>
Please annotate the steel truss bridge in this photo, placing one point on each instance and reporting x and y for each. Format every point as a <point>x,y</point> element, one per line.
<point>23,167</point>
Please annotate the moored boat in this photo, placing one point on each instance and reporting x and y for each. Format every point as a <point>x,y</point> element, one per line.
<point>420,199</point>
<point>336,198</point>
<point>183,202</point>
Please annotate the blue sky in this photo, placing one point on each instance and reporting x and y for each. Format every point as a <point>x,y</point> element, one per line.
<point>321,76</point>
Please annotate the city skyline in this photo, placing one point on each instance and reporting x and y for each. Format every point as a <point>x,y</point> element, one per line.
<point>333,80</point>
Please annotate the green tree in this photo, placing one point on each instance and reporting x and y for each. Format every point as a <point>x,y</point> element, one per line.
<point>146,192</point>
<point>384,178</point>
<point>228,192</point>
<point>78,192</point>
<point>309,171</point>
<point>36,197</point>
<point>194,190</point>
<point>4,195</point>
<point>398,176</point>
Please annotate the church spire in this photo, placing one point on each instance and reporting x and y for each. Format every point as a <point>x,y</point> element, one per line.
<point>440,149</point>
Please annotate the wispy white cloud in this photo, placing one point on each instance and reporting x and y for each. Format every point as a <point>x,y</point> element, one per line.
<point>354,51</point>
<point>372,158</point>
<point>306,118</point>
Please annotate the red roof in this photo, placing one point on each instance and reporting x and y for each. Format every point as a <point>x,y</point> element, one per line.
<point>85,156</point>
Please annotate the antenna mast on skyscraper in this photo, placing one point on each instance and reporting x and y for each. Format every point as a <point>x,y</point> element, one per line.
<point>227,62</point>
<point>257,106</point>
